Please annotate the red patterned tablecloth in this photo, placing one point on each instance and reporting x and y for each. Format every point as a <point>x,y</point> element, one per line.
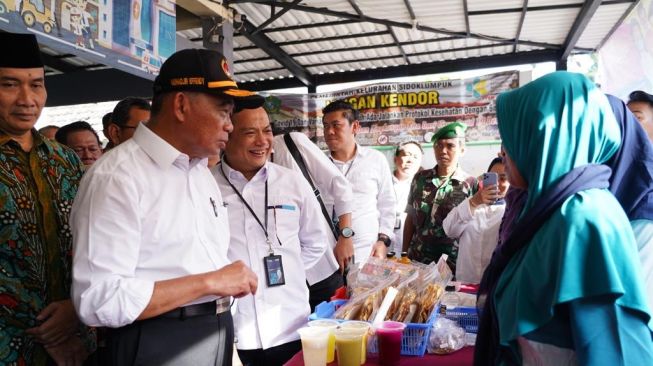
<point>464,357</point>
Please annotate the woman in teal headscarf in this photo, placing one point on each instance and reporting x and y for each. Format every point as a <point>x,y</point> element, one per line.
<point>565,288</point>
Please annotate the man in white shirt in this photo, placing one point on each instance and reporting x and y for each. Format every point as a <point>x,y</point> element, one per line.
<point>126,116</point>
<point>336,194</point>
<point>150,230</point>
<point>276,226</point>
<point>368,172</point>
<point>408,160</point>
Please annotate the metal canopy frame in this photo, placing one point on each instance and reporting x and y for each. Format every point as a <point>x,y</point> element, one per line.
<point>411,70</point>
<point>293,59</point>
<point>586,10</point>
<point>275,51</point>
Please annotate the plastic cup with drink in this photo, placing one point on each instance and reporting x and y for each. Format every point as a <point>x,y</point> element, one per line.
<point>362,326</point>
<point>331,325</point>
<point>314,345</point>
<point>389,335</point>
<point>349,344</point>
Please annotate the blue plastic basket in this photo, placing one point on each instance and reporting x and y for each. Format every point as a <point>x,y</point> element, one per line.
<point>467,317</point>
<point>413,343</point>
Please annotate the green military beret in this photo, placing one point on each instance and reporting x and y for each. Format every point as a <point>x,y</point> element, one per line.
<point>450,131</point>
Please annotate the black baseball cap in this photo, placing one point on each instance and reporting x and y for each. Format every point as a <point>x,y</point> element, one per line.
<point>640,96</point>
<point>205,71</point>
<point>21,51</point>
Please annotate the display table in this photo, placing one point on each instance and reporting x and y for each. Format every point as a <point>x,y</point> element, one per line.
<point>464,357</point>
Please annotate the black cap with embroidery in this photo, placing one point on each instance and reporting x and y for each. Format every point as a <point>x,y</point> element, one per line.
<point>21,51</point>
<point>640,96</point>
<point>205,71</point>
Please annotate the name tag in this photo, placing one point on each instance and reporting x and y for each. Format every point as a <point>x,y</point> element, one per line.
<point>274,274</point>
<point>283,207</point>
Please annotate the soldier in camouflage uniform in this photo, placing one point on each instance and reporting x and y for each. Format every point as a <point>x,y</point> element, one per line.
<point>433,193</point>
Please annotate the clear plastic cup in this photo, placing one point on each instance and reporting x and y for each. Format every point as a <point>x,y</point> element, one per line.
<point>349,344</point>
<point>331,325</point>
<point>314,345</point>
<point>356,324</point>
<point>389,335</point>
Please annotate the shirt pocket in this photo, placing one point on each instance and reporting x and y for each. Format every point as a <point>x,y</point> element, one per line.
<point>364,182</point>
<point>283,218</point>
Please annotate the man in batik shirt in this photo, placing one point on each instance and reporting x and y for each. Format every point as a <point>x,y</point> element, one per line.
<point>433,193</point>
<point>38,182</point>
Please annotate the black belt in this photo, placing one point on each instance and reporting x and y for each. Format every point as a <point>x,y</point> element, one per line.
<point>207,308</point>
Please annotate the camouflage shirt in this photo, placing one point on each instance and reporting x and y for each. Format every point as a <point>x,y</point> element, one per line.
<point>429,202</point>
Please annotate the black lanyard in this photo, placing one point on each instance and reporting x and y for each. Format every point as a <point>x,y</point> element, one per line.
<point>265,209</point>
<point>335,219</point>
<point>348,168</point>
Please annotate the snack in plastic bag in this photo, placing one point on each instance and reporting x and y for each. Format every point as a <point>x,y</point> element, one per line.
<point>365,302</point>
<point>430,295</point>
<point>446,337</point>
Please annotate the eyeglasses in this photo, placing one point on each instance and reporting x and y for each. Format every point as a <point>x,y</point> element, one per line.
<point>90,149</point>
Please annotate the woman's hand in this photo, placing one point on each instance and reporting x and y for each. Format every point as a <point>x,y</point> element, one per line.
<point>486,195</point>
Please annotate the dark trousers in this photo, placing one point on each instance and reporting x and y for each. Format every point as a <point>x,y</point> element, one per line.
<point>275,356</point>
<point>205,340</point>
<point>323,290</point>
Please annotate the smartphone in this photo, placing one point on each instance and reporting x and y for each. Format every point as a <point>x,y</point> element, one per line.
<point>490,178</point>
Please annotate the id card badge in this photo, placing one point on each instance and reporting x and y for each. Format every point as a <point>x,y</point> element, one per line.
<point>397,221</point>
<point>274,274</point>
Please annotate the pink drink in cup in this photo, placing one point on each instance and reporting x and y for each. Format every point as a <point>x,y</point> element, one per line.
<point>389,335</point>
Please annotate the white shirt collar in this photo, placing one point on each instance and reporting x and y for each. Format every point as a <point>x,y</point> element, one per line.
<point>358,153</point>
<point>232,174</point>
<point>161,152</point>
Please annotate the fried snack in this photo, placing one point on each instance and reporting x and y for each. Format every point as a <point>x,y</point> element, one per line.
<point>368,307</point>
<point>395,304</point>
<point>427,301</point>
<point>404,308</point>
<point>412,309</point>
<point>348,311</point>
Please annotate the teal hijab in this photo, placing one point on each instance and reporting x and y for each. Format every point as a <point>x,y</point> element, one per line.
<point>551,128</point>
<point>567,123</point>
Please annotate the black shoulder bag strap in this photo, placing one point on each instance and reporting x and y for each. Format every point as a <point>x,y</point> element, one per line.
<point>292,148</point>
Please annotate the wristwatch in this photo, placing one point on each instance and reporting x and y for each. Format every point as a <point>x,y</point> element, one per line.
<point>346,232</point>
<point>385,239</point>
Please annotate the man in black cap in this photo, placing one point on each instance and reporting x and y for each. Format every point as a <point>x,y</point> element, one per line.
<point>38,182</point>
<point>151,231</point>
<point>641,104</point>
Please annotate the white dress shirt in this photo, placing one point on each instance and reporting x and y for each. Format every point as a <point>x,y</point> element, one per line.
<point>272,316</point>
<point>334,188</point>
<point>374,198</point>
<point>144,212</point>
<point>477,235</point>
<point>401,189</point>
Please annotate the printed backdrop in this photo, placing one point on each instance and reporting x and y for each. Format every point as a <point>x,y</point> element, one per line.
<point>396,112</point>
<point>135,36</point>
